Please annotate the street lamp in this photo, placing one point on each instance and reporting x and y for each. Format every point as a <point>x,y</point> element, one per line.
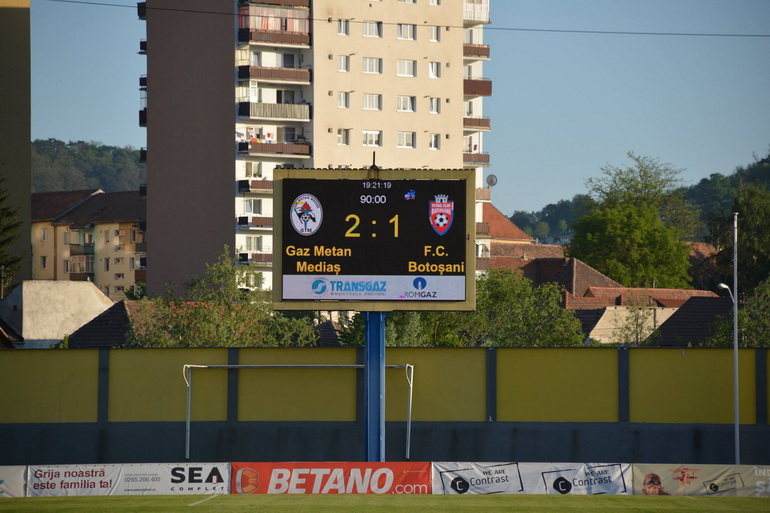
<point>735,372</point>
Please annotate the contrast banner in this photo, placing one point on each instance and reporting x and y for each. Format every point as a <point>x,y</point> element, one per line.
<point>532,478</point>
<point>12,481</point>
<point>128,479</point>
<point>714,480</point>
<point>406,478</point>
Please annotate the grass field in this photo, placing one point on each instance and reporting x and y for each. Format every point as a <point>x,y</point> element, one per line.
<point>411,503</point>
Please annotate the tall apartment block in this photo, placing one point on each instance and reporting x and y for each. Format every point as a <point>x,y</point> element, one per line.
<point>236,89</point>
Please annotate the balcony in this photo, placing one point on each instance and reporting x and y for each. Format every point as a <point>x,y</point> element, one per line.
<point>292,111</point>
<point>285,148</point>
<point>286,75</point>
<point>477,86</point>
<point>482,229</point>
<point>81,249</point>
<point>273,37</point>
<point>476,51</point>
<point>143,117</point>
<point>265,186</point>
<point>81,276</point>
<point>262,259</point>
<point>476,123</point>
<point>247,222</point>
<point>476,159</point>
<point>140,275</point>
<point>140,247</point>
<point>474,17</point>
<point>284,3</point>
<point>143,82</point>
<point>483,194</point>
<point>482,264</point>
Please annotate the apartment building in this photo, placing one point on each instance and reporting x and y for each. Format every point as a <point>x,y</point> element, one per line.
<point>90,236</point>
<point>237,89</point>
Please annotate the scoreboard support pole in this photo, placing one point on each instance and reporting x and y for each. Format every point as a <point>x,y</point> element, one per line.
<point>374,385</point>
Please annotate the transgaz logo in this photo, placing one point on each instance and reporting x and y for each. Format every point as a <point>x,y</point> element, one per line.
<point>319,286</point>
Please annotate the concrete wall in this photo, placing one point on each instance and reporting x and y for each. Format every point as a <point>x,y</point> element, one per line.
<point>593,404</point>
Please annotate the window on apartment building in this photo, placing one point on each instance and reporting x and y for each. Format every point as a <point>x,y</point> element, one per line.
<point>286,134</point>
<point>119,261</point>
<point>252,206</point>
<point>285,96</point>
<point>343,136</point>
<point>372,29</point>
<point>88,238</point>
<point>253,169</point>
<point>372,137</point>
<point>406,103</point>
<point>118,288</point>
<point>435,34</point>
<point>43,262</point>
<point>66,237</point>
<point>65,265</point>
<point>119,276</point>
<point>343,27</point>
<point>406,68</point>
<point>405,139</point>
<point>44,234</point>
<point>372,101</point>
<point>434,2</point>
<point>434,69</point>
<point>288,60</point>
<point>343,99</point>
<point>254,243</point>
<point>434,142</point>
<point>434,105</point>
<point>106,236</point>
<point>372,65</point>
<point>343,63</point>
<point>106,264</point>
<point>406,31</point>
<point>106,290</point>
<point>131,264</point>
<point>408,1</point>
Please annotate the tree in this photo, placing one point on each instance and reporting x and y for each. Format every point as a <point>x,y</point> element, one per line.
<point>753,322</point>
<point>752,202</point>
<point>9,232</point>
<point>218,311</point>
<point>631,245</point>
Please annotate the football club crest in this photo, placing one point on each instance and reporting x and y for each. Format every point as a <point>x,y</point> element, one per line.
<point>306,214</point>
<point>441,213</point>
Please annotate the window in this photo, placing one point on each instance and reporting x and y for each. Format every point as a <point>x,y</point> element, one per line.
<point>287,134</point>
<point>88,238</point>
<point>343,27</point>
<point>288,60</point>
<point>343,100</point>
<point>408,1</point>
<point>66,238</point>
<point>372,29</point>
<point>372,137</point>
<point>434,2</point>
<point>253,169</point>
<point>118,288</point>
<point>106,236</point>
<point>343,136</point>
<point>252,206</point>
<point>254,243</point>
<point>343,63</point>
<point>406,103</point>
<point>119,261</point>
<point>406,31</point>
<point>434,106</point>
<point>405,139</point>
<point>434,143</point>
<point>44,234</point>
<point>372,65</point>
<point>43,262</point>
<point>66,265</point>
<point>434,69</point>
<point>119,276</point>
<point>406,68</point>
<point>132,264</point>
<point>372,101</point>
<point>106,264</point>
<point>435,33</point>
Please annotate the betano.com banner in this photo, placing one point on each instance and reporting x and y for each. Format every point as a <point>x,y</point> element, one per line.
<point>532,478</point>
<point>332,478</point>
<point>713,480</point>
<point>128,479</point>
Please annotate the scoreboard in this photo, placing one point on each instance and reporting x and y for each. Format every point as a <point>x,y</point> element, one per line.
<point>374,240</point>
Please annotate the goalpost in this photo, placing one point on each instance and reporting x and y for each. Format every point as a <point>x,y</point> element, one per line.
<point>187,375</point>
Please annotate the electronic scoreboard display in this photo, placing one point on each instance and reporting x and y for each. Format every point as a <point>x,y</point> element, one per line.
<point>374,240</point>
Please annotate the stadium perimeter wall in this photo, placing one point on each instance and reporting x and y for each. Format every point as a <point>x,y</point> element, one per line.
<point>539,405</point>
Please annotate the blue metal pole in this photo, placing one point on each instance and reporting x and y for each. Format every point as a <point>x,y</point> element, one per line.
<point>374,386</point>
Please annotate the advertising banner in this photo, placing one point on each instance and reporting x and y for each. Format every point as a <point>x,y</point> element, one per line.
<point>531,478</point>
<point>704,480</point>
<point>129,479</point>
<point>12,481</point>
<point>331,478</point>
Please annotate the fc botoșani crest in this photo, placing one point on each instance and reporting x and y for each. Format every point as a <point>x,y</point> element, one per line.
<point>306,214</point>
<point>441,213</point>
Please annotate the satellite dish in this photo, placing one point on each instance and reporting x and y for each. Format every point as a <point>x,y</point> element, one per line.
<point>491,180</point>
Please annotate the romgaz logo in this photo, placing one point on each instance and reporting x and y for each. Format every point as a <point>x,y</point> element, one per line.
<point>419,291</point>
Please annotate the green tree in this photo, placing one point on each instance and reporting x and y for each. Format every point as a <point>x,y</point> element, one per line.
<point>752,203</point>
<point>218,310</point>
<point>510,312</point>
<point>753,322</point>
<point>631,245</point>
<point>9,231</point>
<point>542,230</point>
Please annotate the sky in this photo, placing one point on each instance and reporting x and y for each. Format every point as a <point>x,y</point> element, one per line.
<point>577,84</point>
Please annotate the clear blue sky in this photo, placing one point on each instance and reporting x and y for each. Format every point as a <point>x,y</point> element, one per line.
<point>564,104</point>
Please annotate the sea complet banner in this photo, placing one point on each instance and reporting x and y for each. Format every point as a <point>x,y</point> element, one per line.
<point>12,481</point>
<point>128,479</point>
<point>531,478</point>
<point>331,478</point>
<point>704,480</point>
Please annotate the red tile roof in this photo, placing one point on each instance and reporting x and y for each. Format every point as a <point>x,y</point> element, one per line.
<point>109,207</point>
<point>47,206</point>
<point>500,227</point>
